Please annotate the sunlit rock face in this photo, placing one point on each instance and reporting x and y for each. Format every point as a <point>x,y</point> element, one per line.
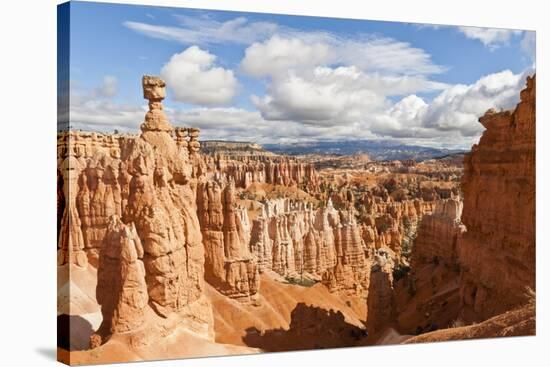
<point>70,237</point>
<point>161,203</point>
<point>438,235</point>
<point>230,266</point>
<point>350,274</point>
<point>282,238</point>
<point>472,258</point>
<point>380,303</point>
<point>426,296</point>
<point>497,253</point>
<point>245,169</point>
<point>121,289</point>
<point>324,244</point>
<point>131,211</point>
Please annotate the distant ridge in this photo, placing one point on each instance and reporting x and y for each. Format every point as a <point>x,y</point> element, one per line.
<point>380,150</point>
<point>231,147</point>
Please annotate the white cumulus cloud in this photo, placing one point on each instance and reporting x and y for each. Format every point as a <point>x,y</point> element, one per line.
<point>193,77</point>
<point>333,104</point>
<point>324,96</point>
<point>454,113</point>
<point>299,50</point>
<point>490,37</point>
<point>335,96</point>
<point>459,107</point>
<point>277,55</point>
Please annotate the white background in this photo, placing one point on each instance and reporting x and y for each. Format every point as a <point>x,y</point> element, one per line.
<point>27,182</point>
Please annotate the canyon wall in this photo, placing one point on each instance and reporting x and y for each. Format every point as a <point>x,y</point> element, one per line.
<point>230,266</point>
<point>427,297</point>
<point>94,180</point>
<point>299,242</point>
<point>475,259</point>
<point>380,302</point>
<point>351,271</point>
<point>497,253</point>
<point>292,238</point>
<point>245,170</point>
<point>330,245</point>
<point>438,235</point>
<point>70,237</point>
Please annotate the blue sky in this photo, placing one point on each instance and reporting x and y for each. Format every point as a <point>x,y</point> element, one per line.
<point>282,78</point>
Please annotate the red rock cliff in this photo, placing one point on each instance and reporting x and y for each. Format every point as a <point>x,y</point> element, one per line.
<point>497,253</point>
<point>230,267</point>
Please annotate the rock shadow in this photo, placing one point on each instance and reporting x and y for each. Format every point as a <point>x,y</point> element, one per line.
<point>310,328</point>
<point>73,332</point>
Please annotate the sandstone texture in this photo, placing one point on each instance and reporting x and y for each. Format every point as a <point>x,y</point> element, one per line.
<point>71,239</point>
<point>497,253</point>
<point>230,266</point>
<point>380,297</point>
<point>427,297</point>
<point>438,234</point>
<point>245,170</point>
<point>121,288</point>
<point>518,322</point>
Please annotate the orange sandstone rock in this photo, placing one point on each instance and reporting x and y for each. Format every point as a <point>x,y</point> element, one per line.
<point>71,240</point>
<point>230,267</point>
<point>497,253</point>
<point>438,235</point>
<point>121,288</point>
<point>151,264</point>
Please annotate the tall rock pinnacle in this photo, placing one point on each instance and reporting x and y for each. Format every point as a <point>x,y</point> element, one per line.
<point>154,91</point>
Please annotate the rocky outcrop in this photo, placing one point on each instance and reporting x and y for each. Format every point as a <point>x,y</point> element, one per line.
<point>161,204</point>
<point>151,258</point>
<point>230,267</point>
<point>427,297</point>
<point>474,263</point>
<point>438,235</point>
<point>245,170</point>
<point>237,148</point>
<point>380,303</point>
<point>293,239</point>
<point>391,221</point>
<point>332,245</point>
<point>261,244</point>
<point>351,272</point>
<point>100,184</point>
<point>319,244</point>
<point>386,221</point>
<point>497,253</point>
<point>517,322</point>
<point>99,198</point>
<point>70,238</point>
<point>121,289</point>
